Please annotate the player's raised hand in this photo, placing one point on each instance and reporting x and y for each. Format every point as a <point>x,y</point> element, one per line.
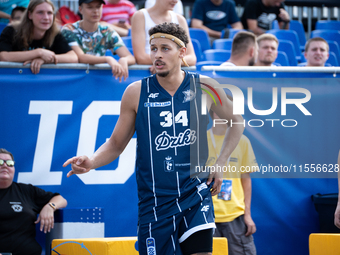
<point>80,165</point>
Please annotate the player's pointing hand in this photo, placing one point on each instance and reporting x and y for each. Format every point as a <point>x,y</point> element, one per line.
<point>80,165</point>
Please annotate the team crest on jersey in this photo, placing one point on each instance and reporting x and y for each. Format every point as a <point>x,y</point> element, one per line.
<point>168,164</point>
<point>16,206</point>
<point>157,104</point>
<point>151,246</point>
<point>164,141</point>
<point>188,95</point>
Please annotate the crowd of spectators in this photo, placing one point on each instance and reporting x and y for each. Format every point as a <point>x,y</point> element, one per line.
<point>96,37</point>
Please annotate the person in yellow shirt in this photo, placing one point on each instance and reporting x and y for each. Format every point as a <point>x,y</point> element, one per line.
<point>232,205</point>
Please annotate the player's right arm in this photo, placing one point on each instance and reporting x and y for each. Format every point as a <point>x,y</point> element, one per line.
<point>120,137</point>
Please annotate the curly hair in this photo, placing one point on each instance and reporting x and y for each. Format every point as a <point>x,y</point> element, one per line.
<point>171,29</point>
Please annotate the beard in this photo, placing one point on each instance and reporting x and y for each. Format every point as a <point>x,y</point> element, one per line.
<point>163,74</point>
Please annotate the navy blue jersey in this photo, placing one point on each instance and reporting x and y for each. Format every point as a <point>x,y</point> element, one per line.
<point>171,141</point>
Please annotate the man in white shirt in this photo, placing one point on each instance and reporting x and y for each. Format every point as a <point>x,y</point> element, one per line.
<point>243,50</point>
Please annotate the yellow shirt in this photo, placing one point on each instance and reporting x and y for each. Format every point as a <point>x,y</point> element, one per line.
<point>243,155</point>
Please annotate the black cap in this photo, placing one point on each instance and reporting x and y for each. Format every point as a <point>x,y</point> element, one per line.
<point>89,1</point>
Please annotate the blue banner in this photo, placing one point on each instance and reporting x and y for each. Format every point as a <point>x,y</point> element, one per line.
<point>59,113</point>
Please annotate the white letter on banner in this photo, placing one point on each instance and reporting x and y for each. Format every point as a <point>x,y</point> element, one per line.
<point>297,101</point>
<point>238,98</point>
<point>262,112</point>
<point>49,111</point>
<point>87,142</point>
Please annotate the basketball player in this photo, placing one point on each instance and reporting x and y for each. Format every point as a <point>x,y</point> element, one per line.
<point>175,209</point>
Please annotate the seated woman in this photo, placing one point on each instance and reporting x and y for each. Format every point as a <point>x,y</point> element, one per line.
<point>90,40</point>
<point>20,204</point>
<point>36,39</point>
<point>145,19</point>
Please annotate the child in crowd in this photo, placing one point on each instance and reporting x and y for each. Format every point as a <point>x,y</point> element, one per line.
<point>36,39</point>
<point>90,39</point>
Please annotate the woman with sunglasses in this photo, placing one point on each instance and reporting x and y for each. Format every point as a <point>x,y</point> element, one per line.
<point>20,204</point>
<point>36,39</point>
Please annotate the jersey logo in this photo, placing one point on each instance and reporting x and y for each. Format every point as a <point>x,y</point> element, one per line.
<point>157,104</point>
<point>151,246</point>
<point>216,15</point>
<point>16,206</point>
<point>168,164</point>
<point>164,141</point>
<point>153,95</point>
<point>205,208</point>
<point>188,95</point>
<point>201,187</point>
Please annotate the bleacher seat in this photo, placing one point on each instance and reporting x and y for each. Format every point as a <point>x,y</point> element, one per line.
<point>127,41</point>
<point>334,47</point>
<point>129,32</point>
<point>297,26</point>
<point>202,36</point>
<point>275,24</point>
<point>281,59</point>
<point>332,60</point>
<point>291,36</point>
<point>207,63</point>
<point>232,32</point>
<point>328,35</point>
<point>222,44</point>
<point>217,55</point>
<point>288,47</point>
<point>327,24</point>
<point>198,50</point>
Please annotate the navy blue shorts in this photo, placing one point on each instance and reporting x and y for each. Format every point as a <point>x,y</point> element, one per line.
<point>164,236</point>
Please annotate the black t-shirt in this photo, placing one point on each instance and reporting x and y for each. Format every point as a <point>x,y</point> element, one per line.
<point>255,9</point>
<point>19,206</point>
<point>59,46</point>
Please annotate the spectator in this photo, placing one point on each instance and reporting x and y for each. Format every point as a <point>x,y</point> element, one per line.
<point>267,52</point>
<point>145,19</point>
<point>258,15</point>
<point>6,8</point>
<point>20,204</point>
<point>177,9</point>
<point>243,50</point>
<point>17,14</point>
<point>118,13</point>
<point>90,40</point>
<point>316,51</point>
<point>36,39</point>
<point>232,205</point>
<point>214,16</point>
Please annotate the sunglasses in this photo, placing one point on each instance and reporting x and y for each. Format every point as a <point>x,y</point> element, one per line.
<point>9,162</point>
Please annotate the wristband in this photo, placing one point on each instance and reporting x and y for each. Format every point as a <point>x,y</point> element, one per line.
<point>53,206</point>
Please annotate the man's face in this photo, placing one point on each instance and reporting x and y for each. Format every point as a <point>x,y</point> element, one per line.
<point>317,53</point>
<point>92,12</point>
<point>165,56</point>
<point>267,52</point>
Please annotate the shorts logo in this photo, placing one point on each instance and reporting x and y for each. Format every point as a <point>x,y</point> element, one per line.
<point>168,164</point>
<point>151,246</point>
<point>16,206</point>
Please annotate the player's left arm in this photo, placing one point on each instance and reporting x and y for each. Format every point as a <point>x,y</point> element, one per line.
<point>246,185</point>
<point>233,134</point>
